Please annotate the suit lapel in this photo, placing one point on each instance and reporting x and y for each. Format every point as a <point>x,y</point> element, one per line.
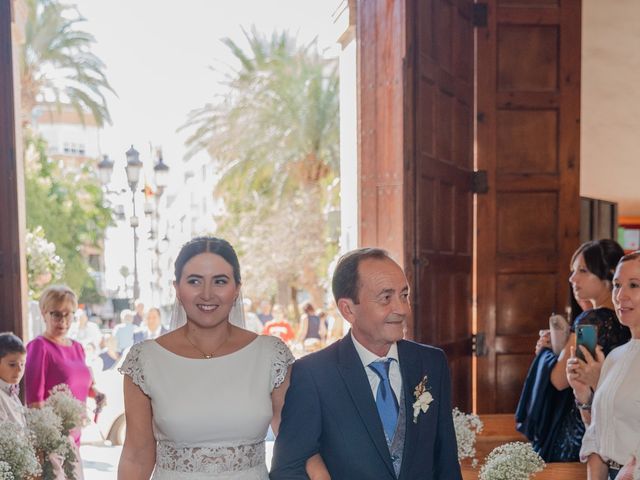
<point>411,374</point>
<point>357,383</point>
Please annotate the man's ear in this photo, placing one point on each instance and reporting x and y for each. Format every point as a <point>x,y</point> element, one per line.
<point>345,306</point>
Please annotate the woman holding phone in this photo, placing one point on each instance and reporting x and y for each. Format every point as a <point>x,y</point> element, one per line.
<point>547,414</point>
<point>612,439</point>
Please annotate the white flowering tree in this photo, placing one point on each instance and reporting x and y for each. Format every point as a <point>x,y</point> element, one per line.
<point>43,264</point>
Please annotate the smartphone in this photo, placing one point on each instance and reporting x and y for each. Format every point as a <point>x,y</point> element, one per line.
<point>587,336</point>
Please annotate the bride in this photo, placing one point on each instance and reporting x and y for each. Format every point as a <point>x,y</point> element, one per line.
<point>199,400</point>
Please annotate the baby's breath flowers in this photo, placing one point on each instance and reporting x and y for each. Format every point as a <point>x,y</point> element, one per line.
<point>511,461</point>
<point>5,471</point>
<point>71,411</point>
<point>18,457</point>
<point>49,439</point>
<point>467,426</point>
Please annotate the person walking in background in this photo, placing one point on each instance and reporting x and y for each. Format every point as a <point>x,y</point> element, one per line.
<point>138,318</point>
<point>12,363</point>
<point>279,326</point>
<point>374,406</point>
<point>312,331</point>
<point>152,327</point>
<point>86,332</point>
<point>252,322</point>
<point>264,312</point>
<point>124,332</point>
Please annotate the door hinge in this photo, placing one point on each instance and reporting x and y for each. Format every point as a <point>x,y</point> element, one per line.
<point>479,182</point>
<point>480,14</point>
<point>478,345</point>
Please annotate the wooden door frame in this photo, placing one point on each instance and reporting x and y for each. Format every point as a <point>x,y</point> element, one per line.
<point>13,285</point>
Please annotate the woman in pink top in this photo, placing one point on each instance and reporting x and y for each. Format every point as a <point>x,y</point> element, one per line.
<point>52,358</point>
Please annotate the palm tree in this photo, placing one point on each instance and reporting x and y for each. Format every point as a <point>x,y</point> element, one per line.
<point>277,128</point>
<point>58,65</point>
<point>275,138</point>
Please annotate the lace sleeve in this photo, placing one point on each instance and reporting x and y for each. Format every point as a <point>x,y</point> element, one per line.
<point>132,366</point>
<point>281,360</point>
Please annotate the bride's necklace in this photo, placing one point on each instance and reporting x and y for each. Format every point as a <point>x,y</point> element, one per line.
<point>205,355</point>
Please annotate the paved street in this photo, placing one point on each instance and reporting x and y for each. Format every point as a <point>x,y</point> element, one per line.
<point>101,462</point>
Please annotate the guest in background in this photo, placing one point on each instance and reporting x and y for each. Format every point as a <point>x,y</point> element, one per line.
<point>264,312</point>
<point>109,354</point>
<point>251,320</point>
<point>85,332</point>
<point>151,328</point>
<point>124,331</point>
<point>12,361</point>
<point>53,358</point>
<point>312,332</point>
<point>612,438</point>
<point>547,413</point>
<point>138,318</point>
<point>279,326</point>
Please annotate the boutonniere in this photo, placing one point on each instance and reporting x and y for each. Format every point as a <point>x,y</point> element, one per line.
<point>423,399</point>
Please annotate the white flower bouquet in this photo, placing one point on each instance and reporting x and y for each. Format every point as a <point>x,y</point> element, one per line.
<point>72,412</point>
<point>49,440</point>
<point>467,426</point>
<point>5,471</point>
<point>511,461</point>
<point>19,460</point>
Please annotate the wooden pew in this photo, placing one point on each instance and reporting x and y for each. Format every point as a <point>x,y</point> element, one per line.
<point>500,429</point>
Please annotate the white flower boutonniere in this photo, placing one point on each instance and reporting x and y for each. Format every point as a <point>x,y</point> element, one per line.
<point>423,399</point>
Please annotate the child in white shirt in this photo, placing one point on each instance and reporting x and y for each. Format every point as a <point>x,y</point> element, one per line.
<point>12,360</point>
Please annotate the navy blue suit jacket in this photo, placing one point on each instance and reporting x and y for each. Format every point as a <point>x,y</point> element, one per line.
<point>329,409</point>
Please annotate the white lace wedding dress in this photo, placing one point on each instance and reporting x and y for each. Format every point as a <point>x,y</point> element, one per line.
<point>210,416</point>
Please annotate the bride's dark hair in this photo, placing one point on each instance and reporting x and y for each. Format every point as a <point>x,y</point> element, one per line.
<point>200,245</point>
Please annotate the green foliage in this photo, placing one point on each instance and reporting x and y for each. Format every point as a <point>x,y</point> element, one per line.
<point>57,63</point>
<point>275,139</point>
<point>68,206</point>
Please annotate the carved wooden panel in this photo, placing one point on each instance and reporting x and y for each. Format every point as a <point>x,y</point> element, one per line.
<point>528,3</point>
<point>524,300</point>
<point>527,141</point>
<point>511,370</point>
<point>527,137</point>
<point>441,88</point>
<point>527,223</point>
<point>527,58</point>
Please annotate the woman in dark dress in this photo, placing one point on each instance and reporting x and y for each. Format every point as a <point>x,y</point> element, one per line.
<point>547,413</point>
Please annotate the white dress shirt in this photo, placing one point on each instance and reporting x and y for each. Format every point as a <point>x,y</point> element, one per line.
<point>366,357</point>
<point>11,410</point>
<point>614,432</point>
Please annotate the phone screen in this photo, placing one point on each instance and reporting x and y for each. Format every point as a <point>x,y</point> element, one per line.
<point>587,336</point>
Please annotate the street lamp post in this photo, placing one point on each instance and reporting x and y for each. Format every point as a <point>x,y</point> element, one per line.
<point>133,168</point>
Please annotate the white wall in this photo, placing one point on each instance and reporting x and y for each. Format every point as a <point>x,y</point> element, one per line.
<point>610,125</point>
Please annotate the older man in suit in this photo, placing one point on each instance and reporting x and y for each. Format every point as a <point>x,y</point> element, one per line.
<point>372,405</point>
